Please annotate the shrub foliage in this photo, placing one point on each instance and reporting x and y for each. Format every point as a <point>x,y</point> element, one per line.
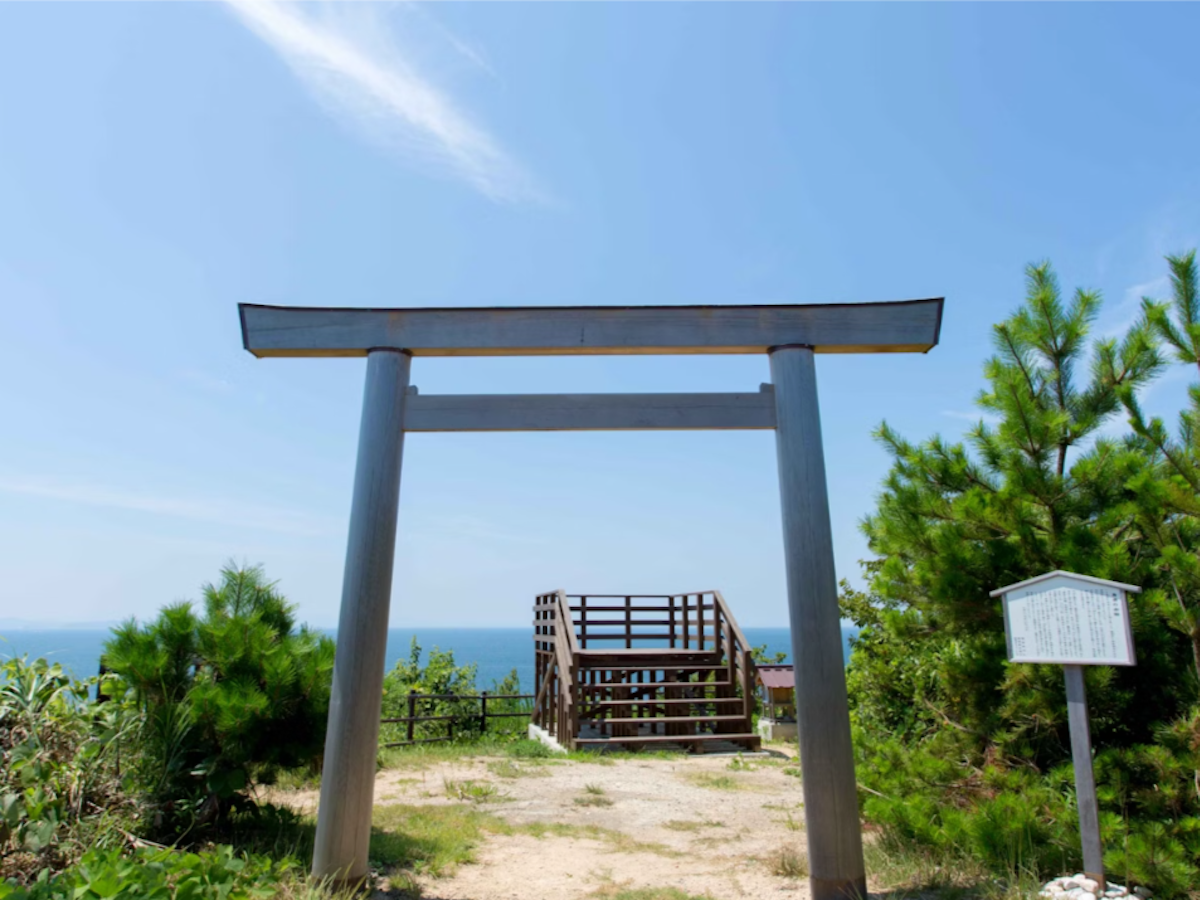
<point>963,751</point>
<point>229,696</point>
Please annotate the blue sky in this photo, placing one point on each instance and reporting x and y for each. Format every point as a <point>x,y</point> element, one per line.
<point>160,163</point>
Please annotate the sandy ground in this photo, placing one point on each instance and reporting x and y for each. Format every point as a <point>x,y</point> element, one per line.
<point>716,827</point>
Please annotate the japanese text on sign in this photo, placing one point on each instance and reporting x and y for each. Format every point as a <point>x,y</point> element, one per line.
<point>1061,621</point>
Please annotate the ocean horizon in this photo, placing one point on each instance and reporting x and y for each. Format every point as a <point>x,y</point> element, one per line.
<point>496,651</point>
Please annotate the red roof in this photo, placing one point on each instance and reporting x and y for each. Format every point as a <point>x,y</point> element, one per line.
<point>776,676</point>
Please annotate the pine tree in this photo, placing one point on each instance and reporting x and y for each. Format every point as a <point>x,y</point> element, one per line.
<point>1169,492</point>
<point>229,698</point>
<point>961,749</point>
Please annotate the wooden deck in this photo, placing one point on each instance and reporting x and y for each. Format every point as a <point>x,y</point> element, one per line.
<point>642,670</point>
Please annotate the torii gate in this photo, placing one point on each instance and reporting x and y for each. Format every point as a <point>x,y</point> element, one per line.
<point>789,334</point>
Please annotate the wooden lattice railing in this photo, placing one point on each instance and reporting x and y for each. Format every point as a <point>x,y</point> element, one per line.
<point>596,654</point>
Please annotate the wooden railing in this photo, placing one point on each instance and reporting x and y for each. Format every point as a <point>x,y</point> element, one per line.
<point>595,628</point>
<point>453,720</point>
<point>738,655</point>
<point>670,621</point>
<point>556,666</point>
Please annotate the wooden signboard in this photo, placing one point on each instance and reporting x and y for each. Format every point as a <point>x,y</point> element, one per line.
<point>1073,621</point>
<point>1069,620</point>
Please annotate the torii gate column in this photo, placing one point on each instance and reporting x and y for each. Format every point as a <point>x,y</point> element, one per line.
<point>348,775</point>
<point>835,855</point>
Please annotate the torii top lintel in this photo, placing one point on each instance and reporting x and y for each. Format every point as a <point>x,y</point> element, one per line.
<point>907,326</point>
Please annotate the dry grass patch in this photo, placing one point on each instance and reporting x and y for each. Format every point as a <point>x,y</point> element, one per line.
<point>714,781</point>
<point>788,862</point>
<point>692,824</point>
<point>506,768</point>
<point>613,891</point>
<point>791,823</point>
<point>592,801</point>
<point>618,842</point>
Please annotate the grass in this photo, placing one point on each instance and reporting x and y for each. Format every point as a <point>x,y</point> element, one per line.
<point>302,779</point>
<point>919,873</point>
<point>606,757</point>
<point>740,764</point>
<point>617,841</point>
<point>624,892</point>
<point>692,824</point>
<point>422,756</point>
<point>791,824</point>
<point>506,768</point>
<point>427,839</point>
<point>788,862</point>
<point>593,796</point>
<point>592,801</point>
<point>783,807</point>
<point>794,771</point>
<point>716,782</point>
<point>474,791</point>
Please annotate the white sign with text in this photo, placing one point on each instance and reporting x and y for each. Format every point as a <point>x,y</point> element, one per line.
<point>1068,619</point>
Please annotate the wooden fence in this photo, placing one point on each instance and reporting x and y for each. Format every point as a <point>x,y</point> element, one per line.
<point>452,720</point>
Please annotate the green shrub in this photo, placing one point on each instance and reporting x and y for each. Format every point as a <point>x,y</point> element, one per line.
<point>219,874</point>
<point>229,697</point>
<point>967,755</point>
<point>441,675</point>
<point>60,767</point>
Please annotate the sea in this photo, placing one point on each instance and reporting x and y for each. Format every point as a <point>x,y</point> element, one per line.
<point>496,651</point>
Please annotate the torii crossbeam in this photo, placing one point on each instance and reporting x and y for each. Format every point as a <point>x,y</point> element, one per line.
<point>789,334</point>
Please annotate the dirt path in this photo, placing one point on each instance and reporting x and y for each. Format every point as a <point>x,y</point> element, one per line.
<point>714,826</point>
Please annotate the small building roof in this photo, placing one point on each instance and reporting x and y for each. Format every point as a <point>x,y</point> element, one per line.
<point>1059,573</point>
<point>776,676</point>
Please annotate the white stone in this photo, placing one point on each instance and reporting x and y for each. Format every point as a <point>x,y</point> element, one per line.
<point>1088,884</point>
<point>1087,895</point>
<point>1143,892</point>
<point>1070,884</point>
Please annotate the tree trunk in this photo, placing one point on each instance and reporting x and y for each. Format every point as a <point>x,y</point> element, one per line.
<point>1196,650</point>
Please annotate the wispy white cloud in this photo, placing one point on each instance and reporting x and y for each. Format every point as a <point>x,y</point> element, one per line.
<point>228,513</point>
<point>349,58</point>
<point>1120,317</point>
<point>467,50</point>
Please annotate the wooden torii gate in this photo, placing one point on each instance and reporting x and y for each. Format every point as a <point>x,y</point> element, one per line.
<point>789,334</point>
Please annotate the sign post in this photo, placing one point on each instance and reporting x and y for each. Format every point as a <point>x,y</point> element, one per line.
<point>1073,621</point>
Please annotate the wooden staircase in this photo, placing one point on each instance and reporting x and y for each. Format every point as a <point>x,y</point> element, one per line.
<point>642,670</point>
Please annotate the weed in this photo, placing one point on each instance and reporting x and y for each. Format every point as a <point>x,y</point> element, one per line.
<point>592,788</point>
<point>506,768</point>
<point>716,782</point>
<point>739,764</point>
<point>788,862</point>
<point>529,749</point>
<point>692,824</point>
<point>592,800</point>
<point>428,839</point>
<point>782,807</point>
<point>617,841</point>
<point>612,891</point>
<point>792,825</point>
<point>474,791</point>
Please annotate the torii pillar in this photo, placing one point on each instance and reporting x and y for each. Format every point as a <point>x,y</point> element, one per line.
<point>790,334</point>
